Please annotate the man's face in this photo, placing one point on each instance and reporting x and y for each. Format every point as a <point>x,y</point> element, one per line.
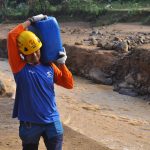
<point>33,58</point>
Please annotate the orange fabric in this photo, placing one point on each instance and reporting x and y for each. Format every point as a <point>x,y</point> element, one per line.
<point>13,53</point>
<point>62,76</point>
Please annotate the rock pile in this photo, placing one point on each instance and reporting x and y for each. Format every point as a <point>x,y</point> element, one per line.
<point>118,41</point>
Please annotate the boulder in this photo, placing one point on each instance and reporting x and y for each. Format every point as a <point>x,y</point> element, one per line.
<point>3,48</point>
<point>2,88</point>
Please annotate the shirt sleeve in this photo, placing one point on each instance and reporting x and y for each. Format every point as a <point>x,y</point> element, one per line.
<point>16,63</point>
<point>62,76</point>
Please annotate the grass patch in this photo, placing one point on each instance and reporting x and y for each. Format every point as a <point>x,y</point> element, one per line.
<point>85,10</point>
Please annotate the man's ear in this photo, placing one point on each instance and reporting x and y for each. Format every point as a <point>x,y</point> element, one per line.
<point>22,56</point>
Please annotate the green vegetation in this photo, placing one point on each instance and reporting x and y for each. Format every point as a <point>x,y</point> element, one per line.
<point>108,11</point>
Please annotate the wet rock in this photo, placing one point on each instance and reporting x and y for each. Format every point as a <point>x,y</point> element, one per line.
<point>143,90</point>
<point>93,41</point>
<point>148,37</point>
<point>94,32</point>
<point>148,103</point>
<point>108,46</point>
<point>139,77</point>
<point>116,87</point>
<point>78,43</point>
<point>117,39</point>
<point>63,31</point>
<point>128,42</point>
<point>3,48</point>
<point>3,43</point>
<point>148,89</point>
<point>2,88</point>
<point>122,85</point>
<point>100,77</point>
<point>142,78</point>
<point>122,47</point>
<point>108,81</point>
<point>100,33</point>
<point>129,79</point>
<point>142,38</point>
<point>76,30</point>
<point>9,94</point>
<point>112,72</point>
<point>99,44</point>
<point>129,92</point>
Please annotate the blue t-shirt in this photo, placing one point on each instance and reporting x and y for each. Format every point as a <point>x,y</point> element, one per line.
<point>35,96</point>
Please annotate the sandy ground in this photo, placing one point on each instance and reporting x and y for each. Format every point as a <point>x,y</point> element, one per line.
<point>103,117</point>
<point>9,133</point>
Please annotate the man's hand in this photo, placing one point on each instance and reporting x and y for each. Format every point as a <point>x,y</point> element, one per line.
<point>37,18</point>
<point>62,57</point>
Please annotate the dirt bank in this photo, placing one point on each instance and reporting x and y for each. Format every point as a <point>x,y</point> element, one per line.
<point>115,55</point>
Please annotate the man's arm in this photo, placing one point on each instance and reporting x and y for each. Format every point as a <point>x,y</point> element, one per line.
<point>26,24</point>
<point>62,76</point>
<point>14,59</point>
<point>13,53</point>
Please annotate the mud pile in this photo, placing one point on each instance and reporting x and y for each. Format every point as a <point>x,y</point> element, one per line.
<point>92,63</point>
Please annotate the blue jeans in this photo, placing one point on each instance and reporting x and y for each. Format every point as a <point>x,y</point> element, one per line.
<point>52,134</point>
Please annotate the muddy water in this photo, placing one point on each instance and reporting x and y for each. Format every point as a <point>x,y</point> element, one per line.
<point>120,122</point>
<point>104,96</point>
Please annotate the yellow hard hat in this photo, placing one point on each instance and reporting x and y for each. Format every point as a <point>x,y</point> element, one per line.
<point>28,42</point>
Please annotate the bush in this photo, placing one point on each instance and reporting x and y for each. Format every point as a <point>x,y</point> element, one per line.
<point>21,11</point>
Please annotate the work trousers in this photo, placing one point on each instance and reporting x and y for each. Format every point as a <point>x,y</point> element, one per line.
<point>30,135</point>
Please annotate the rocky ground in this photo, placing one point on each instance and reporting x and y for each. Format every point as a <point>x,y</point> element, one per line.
<point>115,55</point>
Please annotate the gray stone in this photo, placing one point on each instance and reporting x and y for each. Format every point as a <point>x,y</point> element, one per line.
<point>142,38</point>
<point>100,77</point>
<point>2,88</point>
<point>78,43</point>
<point>94,41</point>
<point>148,89</point>
<point>129,79</point>
<point>123,85</point>
<point>117,39</point>
<point>129,92</point>
<point>108,46</point>
<point>122,47</point>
